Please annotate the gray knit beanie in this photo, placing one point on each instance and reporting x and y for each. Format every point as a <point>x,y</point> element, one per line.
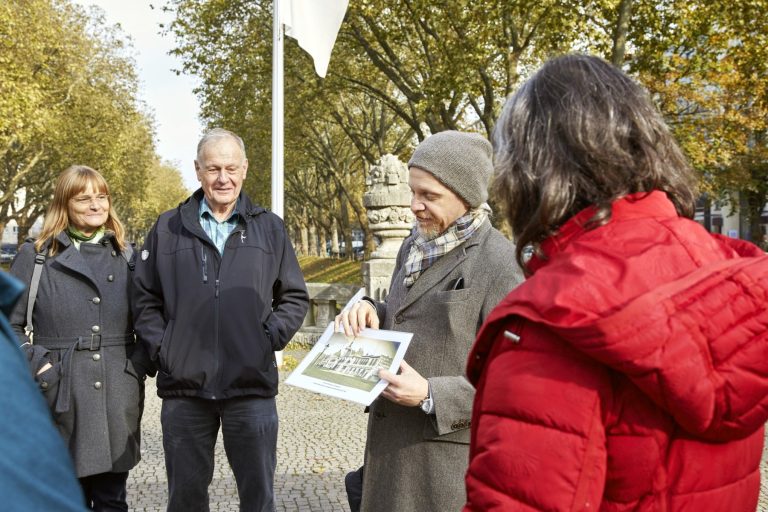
<point>460,161</point>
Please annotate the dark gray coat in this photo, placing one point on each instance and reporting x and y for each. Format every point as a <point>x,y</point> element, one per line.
<point>415,461</point>
<point>84,293</point>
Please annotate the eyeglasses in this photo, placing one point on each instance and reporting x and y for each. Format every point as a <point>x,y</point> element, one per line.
<point>230,172</point>
<point>88,200</point>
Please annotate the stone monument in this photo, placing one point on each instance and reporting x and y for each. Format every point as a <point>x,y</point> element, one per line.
<point>387,201</point>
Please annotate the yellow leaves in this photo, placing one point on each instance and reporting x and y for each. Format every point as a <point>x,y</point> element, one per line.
<point>68,89</point>
<point>708,76</point>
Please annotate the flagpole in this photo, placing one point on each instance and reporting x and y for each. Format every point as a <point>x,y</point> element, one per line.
<point>277,122</point>
<point>277,111</point>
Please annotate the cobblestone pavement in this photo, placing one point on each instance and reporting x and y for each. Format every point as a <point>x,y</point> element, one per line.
<point>320,439</point>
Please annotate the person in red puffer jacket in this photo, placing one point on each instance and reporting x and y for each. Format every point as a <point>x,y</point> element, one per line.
<point>629,372</point>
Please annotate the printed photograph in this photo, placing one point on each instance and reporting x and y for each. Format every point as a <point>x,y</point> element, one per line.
<point>353,363</point>
<point>348,368</point>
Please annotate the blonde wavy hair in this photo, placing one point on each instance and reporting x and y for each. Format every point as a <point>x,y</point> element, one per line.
<point>71,182</point>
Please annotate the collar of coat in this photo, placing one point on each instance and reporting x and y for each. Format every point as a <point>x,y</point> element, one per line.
<point>65,241</point>
<point>245,207</point>
<point>190,210</point>
<point>633,206</point>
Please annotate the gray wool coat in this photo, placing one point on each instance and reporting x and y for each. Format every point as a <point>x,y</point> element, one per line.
<point>82,303</point>
<point>415,461</point>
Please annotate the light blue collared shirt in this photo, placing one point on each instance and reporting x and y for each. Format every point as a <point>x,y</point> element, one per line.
<point>217,231</point>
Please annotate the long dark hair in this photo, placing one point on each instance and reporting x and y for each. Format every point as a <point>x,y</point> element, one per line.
<point>581,133</point>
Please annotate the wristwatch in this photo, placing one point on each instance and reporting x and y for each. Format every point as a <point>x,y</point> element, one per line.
<point>427,405</point>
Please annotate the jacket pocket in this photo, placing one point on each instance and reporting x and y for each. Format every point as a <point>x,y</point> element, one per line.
<point>163,358</point>
<point>449,296</point>
<point>131,403</point>
<point>49,383</point>
<point>130,369</point>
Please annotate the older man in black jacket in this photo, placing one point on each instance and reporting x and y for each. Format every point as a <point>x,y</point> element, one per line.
<point>218,289</point>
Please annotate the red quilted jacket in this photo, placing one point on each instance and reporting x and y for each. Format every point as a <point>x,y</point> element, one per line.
<point>629,372</point>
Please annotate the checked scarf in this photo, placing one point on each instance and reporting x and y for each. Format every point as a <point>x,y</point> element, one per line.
<point>425,252</point>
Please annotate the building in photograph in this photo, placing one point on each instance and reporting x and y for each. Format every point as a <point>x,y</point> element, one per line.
<point>354,363</point>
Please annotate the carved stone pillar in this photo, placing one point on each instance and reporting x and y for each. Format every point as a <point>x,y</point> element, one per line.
<point>387,199</point>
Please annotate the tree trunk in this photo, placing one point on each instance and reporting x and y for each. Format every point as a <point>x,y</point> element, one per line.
<point>335,240</point>
<point>22,232</point>
<point>346,229</point>
<point>312,240</point>
<point>624,13</point>
<point>304,236</point>
<point>304,241</point>
<point>368,242</point>
<point>322,242</point>
<point>707,213</point>
<point>755,205</point>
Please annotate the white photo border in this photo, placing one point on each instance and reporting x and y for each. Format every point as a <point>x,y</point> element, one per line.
<point>298,379</point>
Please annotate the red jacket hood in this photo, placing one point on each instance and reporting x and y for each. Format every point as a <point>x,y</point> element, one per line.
<point>696,345</point>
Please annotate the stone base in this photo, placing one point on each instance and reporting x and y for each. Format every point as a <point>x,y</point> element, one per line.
<point>308,336</point>
<point>377,274</point>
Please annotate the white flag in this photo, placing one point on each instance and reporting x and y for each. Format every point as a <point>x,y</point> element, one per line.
<point>314,24</point>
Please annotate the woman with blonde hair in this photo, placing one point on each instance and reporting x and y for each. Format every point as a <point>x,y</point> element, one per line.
<point>77,332</point>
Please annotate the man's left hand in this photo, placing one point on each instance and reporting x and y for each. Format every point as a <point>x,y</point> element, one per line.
<point>406,388</point>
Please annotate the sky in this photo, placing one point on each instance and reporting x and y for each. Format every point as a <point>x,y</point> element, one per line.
<point>168,96</point>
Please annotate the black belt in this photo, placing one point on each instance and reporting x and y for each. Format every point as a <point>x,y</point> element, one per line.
<point>92,342</point>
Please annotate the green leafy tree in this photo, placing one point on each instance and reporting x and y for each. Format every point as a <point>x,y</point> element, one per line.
<point>330,138</point>
<point>705,65</point>
<point>165,189</point>
<point>452,63</point>
<point>68,95</point>
<point>431,65</point>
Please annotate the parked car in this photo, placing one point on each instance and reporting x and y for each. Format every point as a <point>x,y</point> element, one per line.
<point>357,249</point>
<point>7,253</point>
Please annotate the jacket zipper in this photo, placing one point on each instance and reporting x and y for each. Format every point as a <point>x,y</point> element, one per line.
<point>205,264</point>
<point>217,289</point>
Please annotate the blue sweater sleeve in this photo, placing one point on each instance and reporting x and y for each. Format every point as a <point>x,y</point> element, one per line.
<point>37,470</point>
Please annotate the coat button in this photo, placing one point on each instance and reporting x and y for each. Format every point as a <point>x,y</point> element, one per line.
<point>44,385</point>
<point>97,385</point>
<point>95,328</point>
<point>114,253</point>
<point>96,300</point>
<point>96,357</point>
<point>399,319</point>
<point>110,278</point>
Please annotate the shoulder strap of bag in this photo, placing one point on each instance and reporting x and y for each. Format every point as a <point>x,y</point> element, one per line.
<point>34,284</point>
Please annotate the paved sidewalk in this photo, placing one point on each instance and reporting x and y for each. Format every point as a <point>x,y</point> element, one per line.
<point>320,440</point>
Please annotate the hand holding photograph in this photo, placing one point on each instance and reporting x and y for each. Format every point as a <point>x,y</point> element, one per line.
<point>348,368</point>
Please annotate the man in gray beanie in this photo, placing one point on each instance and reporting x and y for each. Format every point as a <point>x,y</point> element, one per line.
<point>460,161</point>
<point>449,274</point>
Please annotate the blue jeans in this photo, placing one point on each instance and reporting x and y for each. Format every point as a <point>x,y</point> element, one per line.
<point>249,428</point>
